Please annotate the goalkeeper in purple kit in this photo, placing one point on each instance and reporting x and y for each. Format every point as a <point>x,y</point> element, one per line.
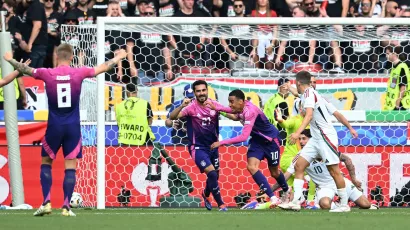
<point>264,142</point>
<point>63,88</point>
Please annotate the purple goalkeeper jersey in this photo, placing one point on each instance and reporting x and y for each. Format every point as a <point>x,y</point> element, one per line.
<point>63,88</point>
<point>202,123</point>
<point>255,124</point>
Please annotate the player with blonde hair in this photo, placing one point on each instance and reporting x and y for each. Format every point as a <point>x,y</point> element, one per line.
<point>63,88</point>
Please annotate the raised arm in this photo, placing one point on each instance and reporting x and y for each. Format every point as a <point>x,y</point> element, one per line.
<point>292,89</point>
<point>230,116</point>
<point>176,113</point>
<point>218,107</point>
<point>108,65</point>
<point>19,66</point>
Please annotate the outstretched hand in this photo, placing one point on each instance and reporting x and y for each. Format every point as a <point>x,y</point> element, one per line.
<point>354,133</point>
<point>121,53</point>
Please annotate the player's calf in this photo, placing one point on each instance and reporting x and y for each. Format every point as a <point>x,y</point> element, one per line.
<point>69,182</point>
<point>212,184</point>
<point>363,202</point>
<point>46,181</point>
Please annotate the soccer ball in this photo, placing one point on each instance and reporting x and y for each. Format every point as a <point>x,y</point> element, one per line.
<point>76,200</point>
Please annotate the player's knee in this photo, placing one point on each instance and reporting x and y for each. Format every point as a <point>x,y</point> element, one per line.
<point>46,161</point>
<point>252,168</point>
<point>325,203</point>
<point>70,163</point>
<point>212,175</point>
<point>299,168</point>
<point>275,172</point>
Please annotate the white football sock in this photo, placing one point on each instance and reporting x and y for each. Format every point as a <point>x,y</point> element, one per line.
<point>333,206</point>
<point>343,196</point>
<point>298,189</point>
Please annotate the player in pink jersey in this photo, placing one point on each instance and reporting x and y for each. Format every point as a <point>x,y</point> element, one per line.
<point>202,130</point>
<point>264,142</point>
<point>63,88</point>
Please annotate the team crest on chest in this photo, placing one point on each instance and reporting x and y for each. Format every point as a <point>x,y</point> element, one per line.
<point>212,112</point>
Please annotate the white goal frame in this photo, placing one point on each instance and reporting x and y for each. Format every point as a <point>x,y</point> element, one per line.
<point>103,21</point>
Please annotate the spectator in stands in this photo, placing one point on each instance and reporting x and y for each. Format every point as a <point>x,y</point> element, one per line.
<point>226,8</point>
<point>115,40</point>
<point>361,55</point>
<point>72,37</point>
<point>312,9</point>
<point>325,49</point>
<point>193,51</point>
<point>281,7</point>
<point>152,56</point>
<point>137,7</point>
<point>84,14</point>
<point>114,9</point>
<point>299,48</point>
<point>396,35</point>
<point>99,7</point>
<point>389,8</point>
<point>34,32</point>
<point>11,25</point>
<point>238,49</point>
<point>278,101</point>
<point>168,8</point>
<point>54,20</point>
<point>178,133</point>
<point>397,97</point>
<point>336,8</point>
<point>9,6</point>
<point>64,6</point>
<point>264,47</point>
<point>368,8</point>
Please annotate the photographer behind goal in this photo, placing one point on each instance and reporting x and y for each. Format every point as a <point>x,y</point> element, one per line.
<point>134,119</point>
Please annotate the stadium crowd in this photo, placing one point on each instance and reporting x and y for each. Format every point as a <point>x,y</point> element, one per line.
<point>36,28</point>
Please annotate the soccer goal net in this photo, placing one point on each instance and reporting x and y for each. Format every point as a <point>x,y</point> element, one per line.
<point>352,60</point>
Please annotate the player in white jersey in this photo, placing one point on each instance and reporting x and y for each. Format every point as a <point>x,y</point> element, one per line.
<point>326,187</point>
<point>323,144</point>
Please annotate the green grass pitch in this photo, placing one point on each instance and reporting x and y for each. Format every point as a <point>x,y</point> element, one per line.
<point>200,219</point>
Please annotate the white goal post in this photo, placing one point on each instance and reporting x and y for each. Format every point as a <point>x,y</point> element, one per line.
<point>168,25</point>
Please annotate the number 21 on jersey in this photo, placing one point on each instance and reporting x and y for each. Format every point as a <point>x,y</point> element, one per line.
<point>64,95</point>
